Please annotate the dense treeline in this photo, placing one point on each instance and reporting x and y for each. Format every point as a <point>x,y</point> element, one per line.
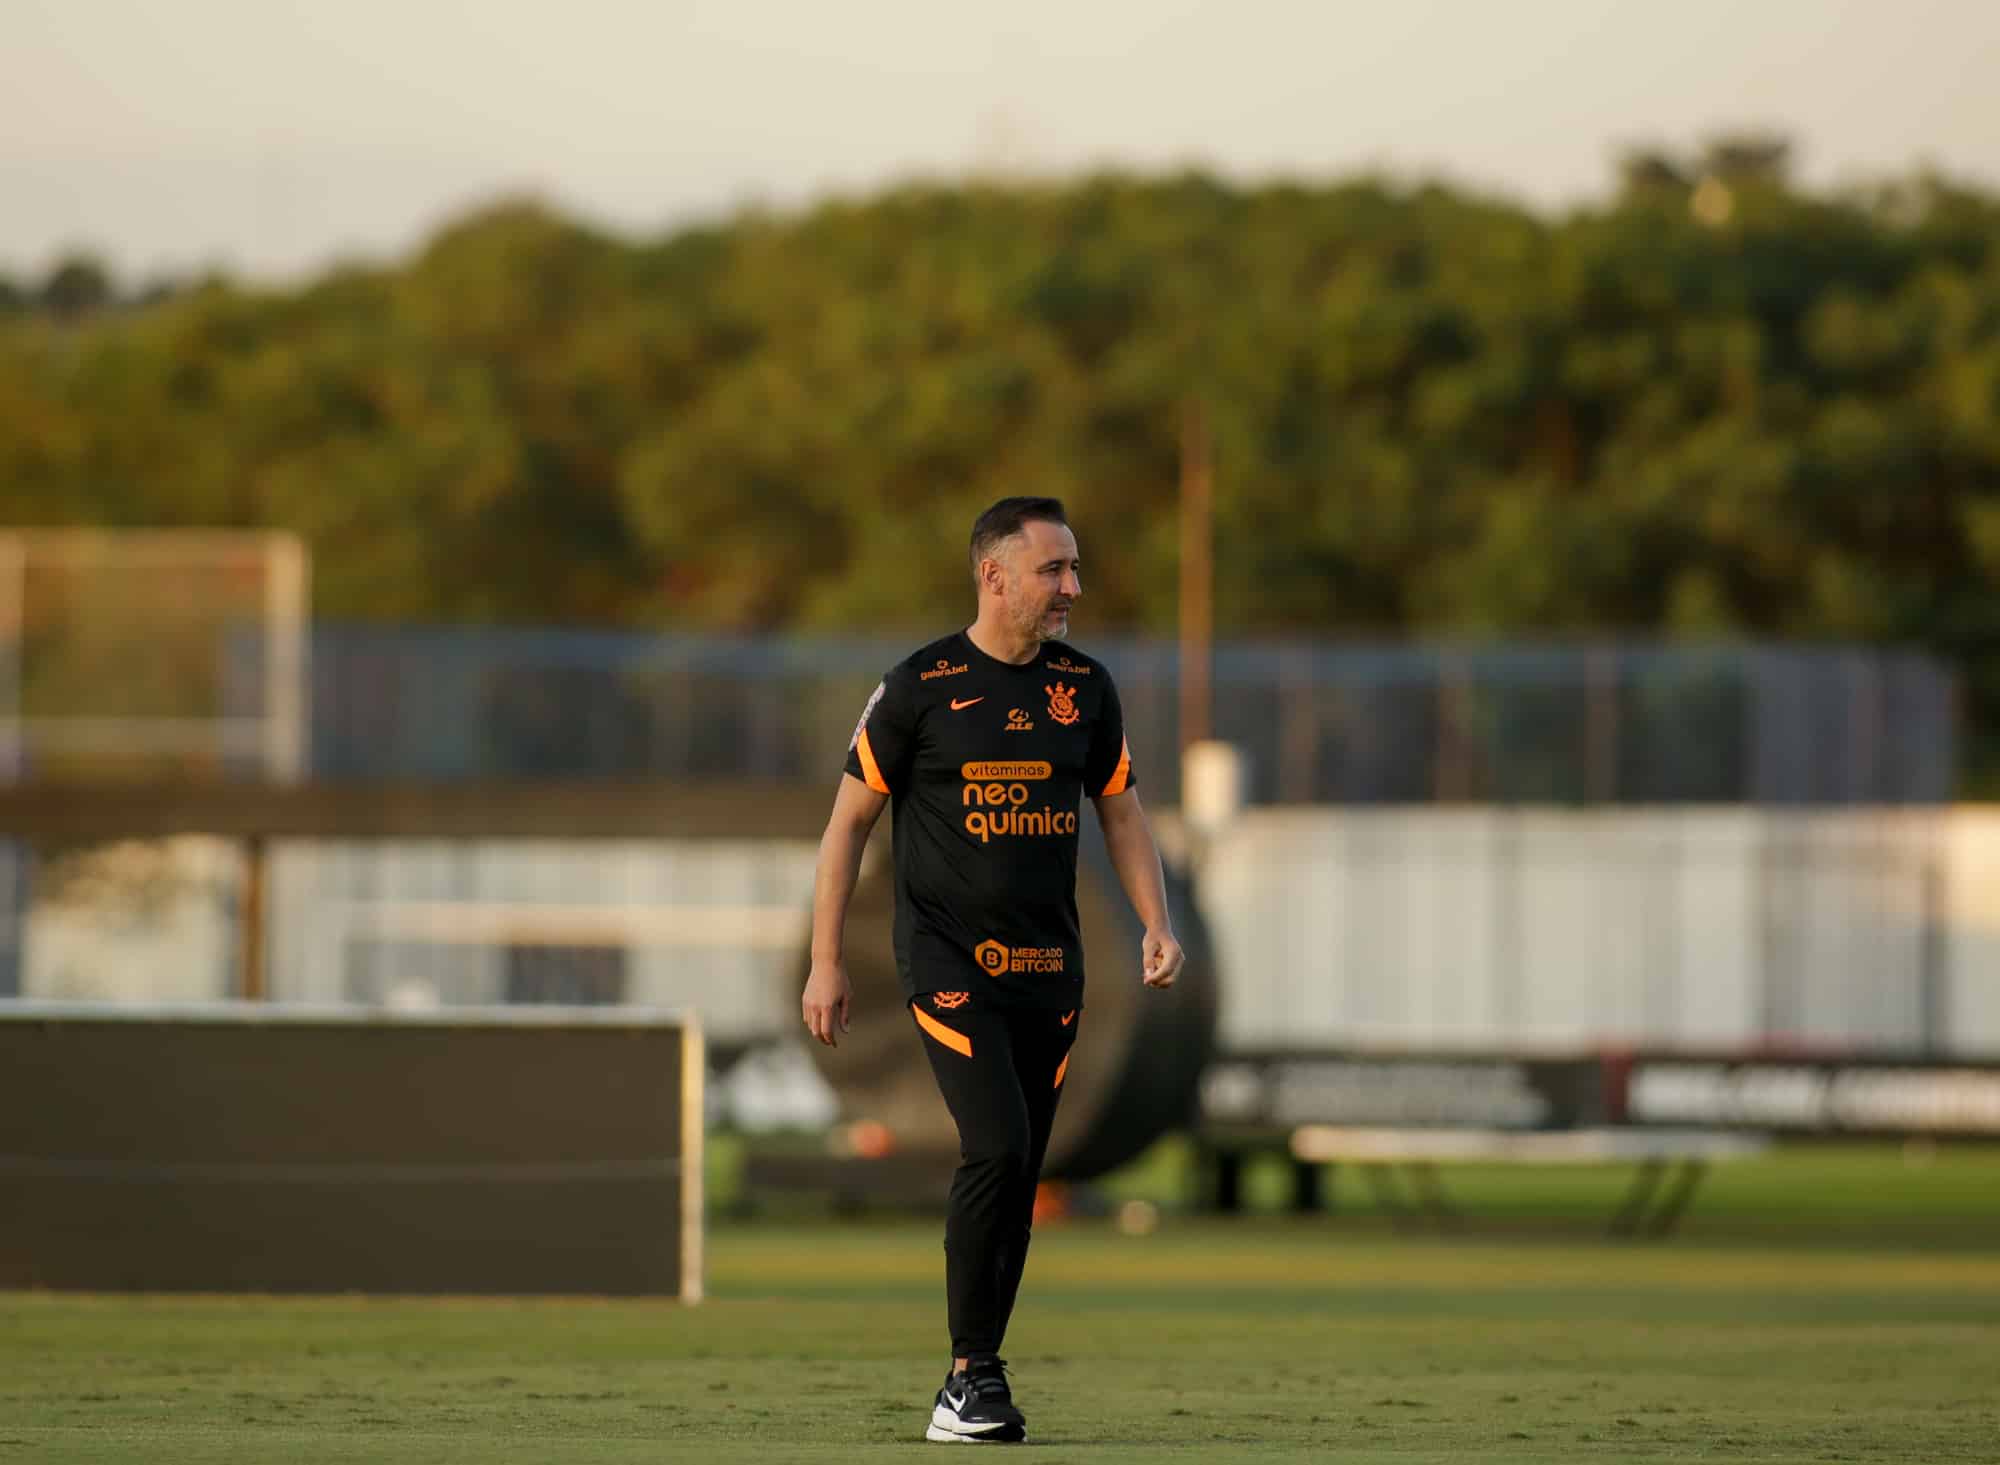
<point>1715,404</point>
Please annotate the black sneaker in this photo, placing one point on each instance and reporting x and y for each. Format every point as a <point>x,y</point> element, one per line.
<point>977,1408</point>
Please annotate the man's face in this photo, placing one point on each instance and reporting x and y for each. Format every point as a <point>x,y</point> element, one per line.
<point>1041,579</point>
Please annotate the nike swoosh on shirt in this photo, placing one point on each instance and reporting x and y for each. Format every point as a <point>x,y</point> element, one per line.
<point>1068,1020</point>
<point>958,706</point>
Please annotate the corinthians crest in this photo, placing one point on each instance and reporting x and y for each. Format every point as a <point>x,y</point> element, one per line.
<point>1062,703</point>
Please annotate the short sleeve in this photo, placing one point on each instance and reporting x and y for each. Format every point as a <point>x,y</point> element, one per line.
<point>1108,768</point>
<point>884,739</point>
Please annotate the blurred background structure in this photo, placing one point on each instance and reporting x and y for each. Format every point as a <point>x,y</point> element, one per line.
<point>1579,599</point>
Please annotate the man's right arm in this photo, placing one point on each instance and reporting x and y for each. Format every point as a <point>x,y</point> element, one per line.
<point>828,992</point>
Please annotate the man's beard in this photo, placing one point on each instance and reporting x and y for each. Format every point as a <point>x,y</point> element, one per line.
<point>1032,624</point>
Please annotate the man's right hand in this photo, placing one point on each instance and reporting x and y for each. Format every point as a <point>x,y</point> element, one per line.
<point>825,1001</point>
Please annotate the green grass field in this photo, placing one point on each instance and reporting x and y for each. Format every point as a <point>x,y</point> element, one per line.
<point>1860,1321</point>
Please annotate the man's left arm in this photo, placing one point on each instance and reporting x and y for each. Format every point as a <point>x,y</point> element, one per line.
<point>1129,840</point>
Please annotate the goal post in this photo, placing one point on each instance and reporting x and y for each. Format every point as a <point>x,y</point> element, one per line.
<point>137,653</point>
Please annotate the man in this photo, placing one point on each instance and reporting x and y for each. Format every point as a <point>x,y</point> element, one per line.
<point>985,740</point>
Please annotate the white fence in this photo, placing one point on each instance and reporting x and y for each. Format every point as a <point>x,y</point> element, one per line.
<point>715,927</point>
<point>1514,928</point>
<point>1479,927</point>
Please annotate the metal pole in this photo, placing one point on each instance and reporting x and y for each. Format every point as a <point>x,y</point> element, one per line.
<point>1299,747</point>
<point>1197,577</point>
<point>1453,775</point>
<point>251,921</point>
<point>17,860</point>
<point>13,655</point>
<point>1934,968</point>
<point>1600,749</point>
<point>287,633</point>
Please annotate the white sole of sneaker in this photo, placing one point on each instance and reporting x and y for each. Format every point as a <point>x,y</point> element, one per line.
<point>939,1436</point>
<point>942,1418</point>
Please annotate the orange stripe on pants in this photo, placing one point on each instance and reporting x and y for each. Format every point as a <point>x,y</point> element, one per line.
<point>952,1038</point>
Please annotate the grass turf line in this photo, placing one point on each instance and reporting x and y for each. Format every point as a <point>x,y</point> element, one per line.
<point>1206,1341</point>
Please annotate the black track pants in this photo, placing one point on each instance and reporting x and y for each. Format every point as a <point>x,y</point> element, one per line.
<point>1001,1071</point>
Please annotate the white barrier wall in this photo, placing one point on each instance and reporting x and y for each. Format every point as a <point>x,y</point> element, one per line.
<point>1970,931</point>
<point>1515,927</point>
<point>134,921</point>
<point>1478,927</point>
<point>715,927</point>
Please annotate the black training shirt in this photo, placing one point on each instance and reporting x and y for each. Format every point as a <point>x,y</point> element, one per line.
<point>987,763</point>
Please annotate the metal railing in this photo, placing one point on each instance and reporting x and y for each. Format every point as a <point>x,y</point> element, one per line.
<point>1320,722</point>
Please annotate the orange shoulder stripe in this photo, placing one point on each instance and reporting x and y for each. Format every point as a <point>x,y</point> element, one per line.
<point>870,770</point>
<point>1122,774</point>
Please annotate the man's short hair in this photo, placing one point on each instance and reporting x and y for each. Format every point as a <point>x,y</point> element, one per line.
<point>1005,519</point>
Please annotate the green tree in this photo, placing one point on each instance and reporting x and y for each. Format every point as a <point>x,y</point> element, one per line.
<point>1765,410</point>
<point>76,285</point>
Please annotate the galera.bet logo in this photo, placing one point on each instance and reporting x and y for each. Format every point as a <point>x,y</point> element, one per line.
<point>991,956</point>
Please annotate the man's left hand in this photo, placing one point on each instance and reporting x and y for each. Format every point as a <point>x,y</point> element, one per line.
<point>1160,959</point>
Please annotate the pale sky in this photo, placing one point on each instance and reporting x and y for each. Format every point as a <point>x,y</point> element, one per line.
<point>271,136</point>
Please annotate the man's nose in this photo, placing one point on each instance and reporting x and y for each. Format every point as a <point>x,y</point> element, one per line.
<point>1072,586</point>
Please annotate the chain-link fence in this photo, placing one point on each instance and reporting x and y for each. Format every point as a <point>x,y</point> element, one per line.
<point>1320,722</point>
